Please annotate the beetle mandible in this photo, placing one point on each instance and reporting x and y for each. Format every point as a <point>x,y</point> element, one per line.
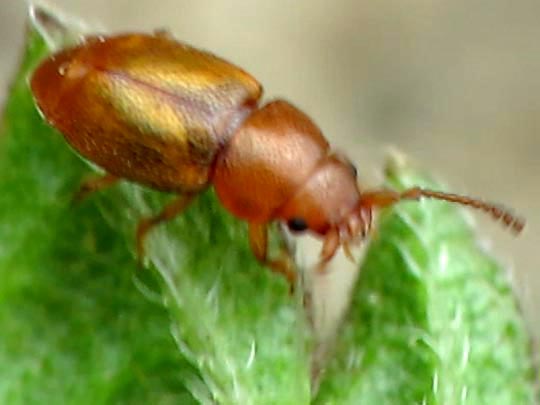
<point>158,112</point>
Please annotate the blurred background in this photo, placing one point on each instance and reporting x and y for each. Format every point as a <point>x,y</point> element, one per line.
<point>454,84</point>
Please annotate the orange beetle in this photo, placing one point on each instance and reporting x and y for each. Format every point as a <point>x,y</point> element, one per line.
<point>152,110</point>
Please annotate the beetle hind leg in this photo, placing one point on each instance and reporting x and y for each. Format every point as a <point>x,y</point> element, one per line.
<point>171,210</point>
<point>94,184</point>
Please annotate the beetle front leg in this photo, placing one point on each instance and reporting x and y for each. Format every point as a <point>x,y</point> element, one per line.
<point>94,184</point>
<point>258,240</point>
<point>171,210</point>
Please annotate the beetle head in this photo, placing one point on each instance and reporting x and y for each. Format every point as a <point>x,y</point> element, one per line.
<point>328,205</point>
<point>331,205</point>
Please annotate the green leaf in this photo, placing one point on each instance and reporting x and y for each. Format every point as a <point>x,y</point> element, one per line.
<point>79,331</point>
<point>433,319</point>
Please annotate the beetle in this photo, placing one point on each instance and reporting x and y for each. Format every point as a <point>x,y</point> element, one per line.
<point>158,112</point>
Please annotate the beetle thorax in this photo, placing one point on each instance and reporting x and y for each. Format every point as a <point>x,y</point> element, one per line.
<point>279,166</point>
<point>267,160</point>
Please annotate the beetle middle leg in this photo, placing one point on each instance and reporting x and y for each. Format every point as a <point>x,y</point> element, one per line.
<point>94,184</point>
<point>170,211</point>
<point>258,240</point>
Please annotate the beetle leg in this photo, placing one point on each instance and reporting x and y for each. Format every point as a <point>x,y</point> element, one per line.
<point>93,184</point>
<point>170,211</point>
<point>258,240</point>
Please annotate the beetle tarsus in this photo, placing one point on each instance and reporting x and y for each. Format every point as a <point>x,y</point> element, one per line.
<point>91,185</point>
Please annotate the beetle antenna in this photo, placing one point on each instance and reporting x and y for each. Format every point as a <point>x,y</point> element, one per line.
<point>384,198</point>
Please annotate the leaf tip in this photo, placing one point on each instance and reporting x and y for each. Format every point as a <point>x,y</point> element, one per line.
<point>56,28</point>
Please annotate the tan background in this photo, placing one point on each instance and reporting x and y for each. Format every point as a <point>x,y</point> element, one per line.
<point>455,84</point>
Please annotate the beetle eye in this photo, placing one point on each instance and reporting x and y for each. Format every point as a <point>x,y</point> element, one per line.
<point>297,224</point>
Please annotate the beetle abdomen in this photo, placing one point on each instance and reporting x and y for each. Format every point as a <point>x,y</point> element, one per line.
<point>145,107</point>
